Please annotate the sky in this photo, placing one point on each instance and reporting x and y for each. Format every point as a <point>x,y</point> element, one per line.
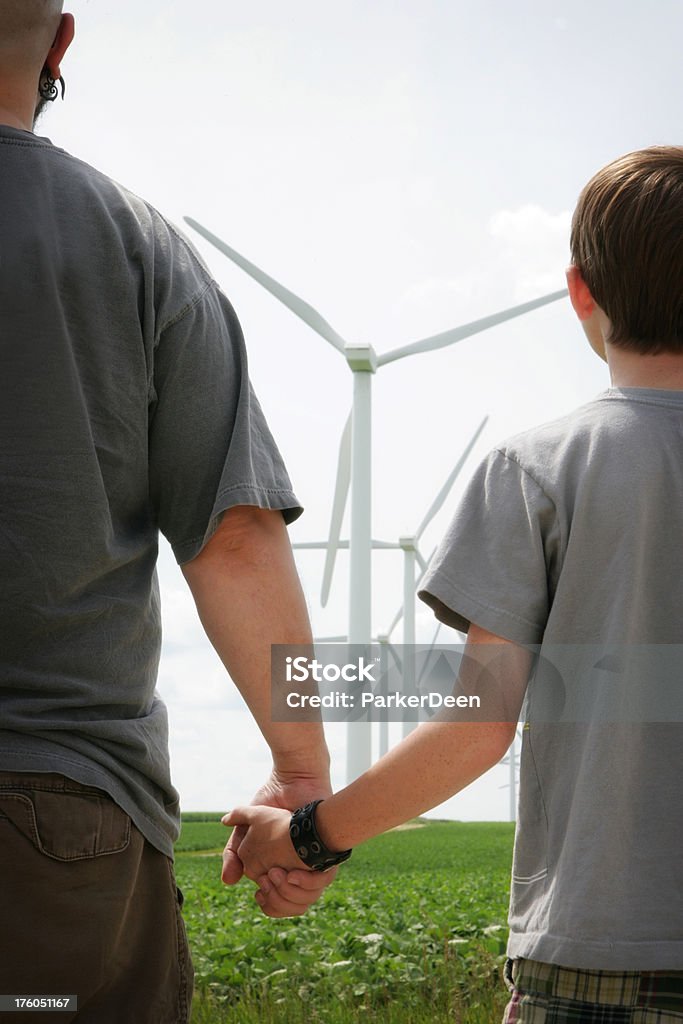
<point>405,168</point>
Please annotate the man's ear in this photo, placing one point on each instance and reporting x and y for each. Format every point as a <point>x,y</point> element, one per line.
<point>62,42</point>
<point>579,294</point>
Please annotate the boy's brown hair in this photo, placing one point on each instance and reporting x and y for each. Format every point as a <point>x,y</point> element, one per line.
<point>627,241</point>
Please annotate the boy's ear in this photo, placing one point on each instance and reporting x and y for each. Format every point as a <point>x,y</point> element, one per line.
<point>579,294</point>
<point>595,324</point>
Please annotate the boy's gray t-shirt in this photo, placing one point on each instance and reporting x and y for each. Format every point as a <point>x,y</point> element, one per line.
<point>125,409</point>
<point>569,537</point>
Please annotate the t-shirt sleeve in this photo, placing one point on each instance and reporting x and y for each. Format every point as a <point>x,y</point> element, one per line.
<point>492,566</point>
<point>209,444</point>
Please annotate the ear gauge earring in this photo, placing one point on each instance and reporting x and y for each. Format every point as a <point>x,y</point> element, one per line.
<point>48,87</point>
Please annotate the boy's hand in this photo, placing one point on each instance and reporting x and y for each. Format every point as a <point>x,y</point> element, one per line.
<point>267,843</point>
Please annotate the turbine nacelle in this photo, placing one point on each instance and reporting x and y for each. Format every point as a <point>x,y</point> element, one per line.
<point>361,358</point>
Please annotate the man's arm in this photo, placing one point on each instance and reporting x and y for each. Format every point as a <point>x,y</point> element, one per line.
<point>437,760</point>
<point>248,595</point>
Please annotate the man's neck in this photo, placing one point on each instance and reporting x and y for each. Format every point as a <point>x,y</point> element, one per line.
<point>630,369</point>
<point>10,121</point>
<point>17,105</point>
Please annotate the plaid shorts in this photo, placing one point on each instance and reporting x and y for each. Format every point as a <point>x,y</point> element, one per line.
<point>548,994</point>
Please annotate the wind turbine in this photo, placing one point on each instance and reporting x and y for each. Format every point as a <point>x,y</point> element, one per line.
<point>355,467</point>
<point>411,555</point>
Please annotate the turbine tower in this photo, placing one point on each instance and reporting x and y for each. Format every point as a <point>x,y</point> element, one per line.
<point>355,467</point>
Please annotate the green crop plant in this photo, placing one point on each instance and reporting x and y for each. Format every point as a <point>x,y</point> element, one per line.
<point>412,930</point>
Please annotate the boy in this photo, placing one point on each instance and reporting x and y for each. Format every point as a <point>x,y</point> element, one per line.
<point>569,537</point>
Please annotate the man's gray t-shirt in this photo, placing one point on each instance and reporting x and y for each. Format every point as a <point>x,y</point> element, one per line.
<point>569,537</point>
<point>125,410</point>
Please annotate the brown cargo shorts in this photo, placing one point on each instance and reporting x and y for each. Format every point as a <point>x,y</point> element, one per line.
<point>88,908</point>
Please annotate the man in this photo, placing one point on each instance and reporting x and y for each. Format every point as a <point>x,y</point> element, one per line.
<point>568,540</point>
<point>125,409</point>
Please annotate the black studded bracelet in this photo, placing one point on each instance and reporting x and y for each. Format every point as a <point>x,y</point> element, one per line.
<point>308,844</point>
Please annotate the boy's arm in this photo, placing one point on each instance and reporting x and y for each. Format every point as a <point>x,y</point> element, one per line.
<point>247,591</point>
<point>437,760</point>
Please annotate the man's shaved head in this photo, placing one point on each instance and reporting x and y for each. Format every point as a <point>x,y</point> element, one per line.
<point>27,28</point>
<point>17,16</point>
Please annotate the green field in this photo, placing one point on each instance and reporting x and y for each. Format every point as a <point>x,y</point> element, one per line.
<point>413,930</point>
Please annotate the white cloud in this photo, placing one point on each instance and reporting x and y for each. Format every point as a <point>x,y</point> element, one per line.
<point>533,244</point>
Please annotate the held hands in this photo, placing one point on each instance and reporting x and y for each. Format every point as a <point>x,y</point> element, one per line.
<point>286,790</point>
<point>265,852</point>
<point>286,888</point>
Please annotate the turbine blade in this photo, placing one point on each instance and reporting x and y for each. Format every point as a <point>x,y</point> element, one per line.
<point>445,490</point>
<point>341,490</point>
<point>421,575</point>
<point>302,309</point>
<point>395,621</point>
<point>458,333</point>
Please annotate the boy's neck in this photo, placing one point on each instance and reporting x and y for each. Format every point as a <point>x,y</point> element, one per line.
<point>632,370</point>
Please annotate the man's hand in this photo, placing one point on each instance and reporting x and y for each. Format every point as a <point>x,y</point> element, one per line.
<point>290,894</point>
